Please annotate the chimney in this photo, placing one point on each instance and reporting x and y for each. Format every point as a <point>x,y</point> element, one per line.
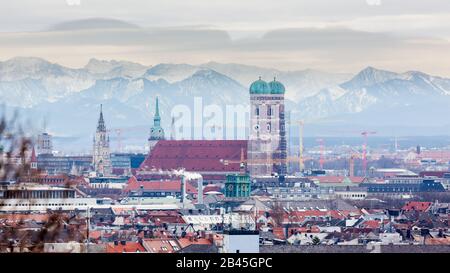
<point>116,243</point>
<point>183,189</point>
<point>200,190</point>
<point>123,242</point>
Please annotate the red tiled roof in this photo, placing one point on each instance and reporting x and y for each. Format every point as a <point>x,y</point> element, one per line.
<point>438,174</point>
<point>211,187</point>
<point>129,247</point>
<point>417,206</point>
<point>17,217</point>
<point>356,179</point>
<point>95,234</point>
<point>161,245</point>
<point>184,242</point>
<point>196,155</point>
<point>374,224</point>
<point>438,155</point>
<point>168,186</point>
<point>279,233</point>
<point>299,216</point>
<point>437,241</point>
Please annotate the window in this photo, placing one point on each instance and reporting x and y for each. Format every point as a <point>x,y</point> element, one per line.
<point>257,110</point>
<point>269,110</point>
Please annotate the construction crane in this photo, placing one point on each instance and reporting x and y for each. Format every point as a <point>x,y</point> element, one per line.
<point>365,134</point>
<point>351,169</point>
<point>354,154</point>
<point>243,162</point>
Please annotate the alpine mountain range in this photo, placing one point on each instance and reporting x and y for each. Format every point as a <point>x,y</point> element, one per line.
<point>68,99</point>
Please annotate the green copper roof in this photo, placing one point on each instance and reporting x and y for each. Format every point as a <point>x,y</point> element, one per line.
<point>259,87</point>
<point>276,87</point>
<point>156,132</point>
<point>157,109</point>
<point>262,87</point>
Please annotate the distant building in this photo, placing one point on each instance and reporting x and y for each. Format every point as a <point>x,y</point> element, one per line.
<point>116,182</point>
<point>352,193</point>
<point>44,144</point>
<point>101,154</point>
<point>121,164</point>
<point>172,188</point>
<point>241,241</point>
<point>58,180</point>
<point>33,197</point>
<point>267,151</point>
<point>398,186</point>
<point>156,132</point>
<point>336,182</point>
<point>51,164</point>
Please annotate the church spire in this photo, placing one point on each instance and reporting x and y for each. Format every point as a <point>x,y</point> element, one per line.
<point>157,118</point>
<point>156,131</point>
<point>101,123</point>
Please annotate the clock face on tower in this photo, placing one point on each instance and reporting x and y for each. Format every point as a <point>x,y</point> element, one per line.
<point>230,187</point>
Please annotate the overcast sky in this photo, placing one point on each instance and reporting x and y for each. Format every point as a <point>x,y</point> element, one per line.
<point>340,36</point>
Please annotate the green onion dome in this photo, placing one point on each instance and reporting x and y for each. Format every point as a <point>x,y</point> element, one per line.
<point>259,87</point>
<point>276,87</point>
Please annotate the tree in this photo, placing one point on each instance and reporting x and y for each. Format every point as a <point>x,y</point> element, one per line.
<point>278,213</point>
<point>15,147</point>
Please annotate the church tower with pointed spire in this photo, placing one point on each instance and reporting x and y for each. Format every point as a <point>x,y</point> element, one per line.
<point>101,159</point>
<point>156,131</point>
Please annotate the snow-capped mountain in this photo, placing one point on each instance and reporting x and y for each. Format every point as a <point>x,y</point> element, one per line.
<point>69,97</point>
<point>299,84</point>
<point>171,72</point>
<point>131,100</point>
<point>38,80</point>
<point>369,76</point>
<point>114,69</point>
<point>373,89</point>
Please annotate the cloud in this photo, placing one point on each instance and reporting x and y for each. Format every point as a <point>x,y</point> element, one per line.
<point>93,23</point>
<point>329,48</point>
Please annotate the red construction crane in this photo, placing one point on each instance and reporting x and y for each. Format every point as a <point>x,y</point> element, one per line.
<point>365,134</point>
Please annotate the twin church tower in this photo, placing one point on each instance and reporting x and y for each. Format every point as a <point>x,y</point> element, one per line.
<point>266,149</point>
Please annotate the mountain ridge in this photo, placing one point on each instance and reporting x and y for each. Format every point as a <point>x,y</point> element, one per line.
<point>44,88</point>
